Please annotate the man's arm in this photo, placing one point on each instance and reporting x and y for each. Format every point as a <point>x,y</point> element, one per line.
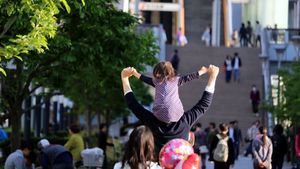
<point>140,112</point>
<point>19,163</point>
<point>202,106</point>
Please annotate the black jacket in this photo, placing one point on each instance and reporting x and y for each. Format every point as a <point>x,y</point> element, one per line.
<point>164,132</point>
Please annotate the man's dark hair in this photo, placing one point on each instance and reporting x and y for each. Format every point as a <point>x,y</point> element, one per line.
<point>212,124</point>
<point>236,54</point>
<point>278,129</point>
<point>75,128</point>
<point>25,144</point>
<point>102,125</point>
<point>176,51</point>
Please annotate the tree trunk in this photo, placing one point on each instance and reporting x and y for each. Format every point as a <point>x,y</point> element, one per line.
<point>15,120</point>
<point>89,122</point>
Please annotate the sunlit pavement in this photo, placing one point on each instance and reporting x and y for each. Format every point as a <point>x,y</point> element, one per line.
<point>243,163</point>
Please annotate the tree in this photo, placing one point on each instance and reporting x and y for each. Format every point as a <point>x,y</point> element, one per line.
<point>27,25</point>
<point>83,62</point>
<point>288,107</point>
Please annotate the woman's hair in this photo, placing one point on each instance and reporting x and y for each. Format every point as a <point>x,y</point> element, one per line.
<point>263,130</point>
<point>139,149</point>
<point>223,128</point>
<point>164,71</point>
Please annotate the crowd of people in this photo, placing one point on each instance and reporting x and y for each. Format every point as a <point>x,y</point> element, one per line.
<point>169,137</point>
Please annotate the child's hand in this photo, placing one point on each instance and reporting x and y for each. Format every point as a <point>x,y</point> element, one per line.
<point>203,70</point>
<point>213,70</point>
<point>127,72</point>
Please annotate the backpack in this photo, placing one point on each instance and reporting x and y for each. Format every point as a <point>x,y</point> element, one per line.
<point>221,152</point>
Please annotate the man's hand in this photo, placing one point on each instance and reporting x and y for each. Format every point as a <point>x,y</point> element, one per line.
<point>203,70</point>
<point>127,72</point>
<point>213,71</point>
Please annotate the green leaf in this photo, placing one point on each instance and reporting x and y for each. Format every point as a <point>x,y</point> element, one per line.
<point>66,5</point>
<point>2,71</point>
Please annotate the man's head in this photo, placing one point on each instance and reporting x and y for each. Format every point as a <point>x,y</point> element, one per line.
<point>212,125</point>
<point>43,144</point>
<point>257,22</point>
<point>103,127</point>
<point>25,147</point>
<point>236,54</point>
<point>74,129</point>
<point>223,127</point>
<point>176,51</point>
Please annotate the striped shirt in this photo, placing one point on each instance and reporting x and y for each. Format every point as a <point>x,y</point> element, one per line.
<point>167,105</point>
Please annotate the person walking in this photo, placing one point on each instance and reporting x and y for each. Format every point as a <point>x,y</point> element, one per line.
<point>228,68</point>
<point>249,33</point>
<point>280,147</point>
<point>212,132</point>
<point>258,31</point>
<point>206,36</point>
<point>255,99</point>
<point>102,142</point>
<point>251,135</point>
<point>139,151</point>
<point>297,148</point>
<point>236,63</point>
<point>262,150</point>
<point>221,150</point>
<point>243,36</point>
<point>54,156</point>
<point>238,139</point>
<point>165,132</point>
<point>200,146</point>
<point>175,60</point>
<point>75,144</point>
<point>16,160</point>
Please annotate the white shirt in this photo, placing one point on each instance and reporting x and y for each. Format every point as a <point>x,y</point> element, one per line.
<point>257,29</point>
<point>228,65</point>
<point>236,63</point>
<point>153,165</point>
<point>231,133</point>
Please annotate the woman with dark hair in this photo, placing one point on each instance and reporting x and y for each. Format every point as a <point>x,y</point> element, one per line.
<point>221,150</point>
<point>139,151</point>
<point>75,143</point>
<point>262,150</point>
<point>280,147</point>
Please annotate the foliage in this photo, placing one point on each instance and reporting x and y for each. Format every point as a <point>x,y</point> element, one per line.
<point>27,25</point>
<point>289,107</point>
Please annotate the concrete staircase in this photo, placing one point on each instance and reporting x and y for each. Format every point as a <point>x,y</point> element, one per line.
<point>231,100</point>
<point>198,15</point>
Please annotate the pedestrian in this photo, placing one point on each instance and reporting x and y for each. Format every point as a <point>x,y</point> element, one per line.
<point>275,34</point>
<point>262,150</point>
<point>181,39</point>
<point>249,33</point>
<point>175,60</point>
<point>212,132</point>
<point>200,146</point>
<point>231,134</point>
<point>139,151</point>
<point>236,63</point>
<point>54,156</point>
<point>167,106</point>
<point>258,31</point>
<point>243,35</point>
<point>251,135</point>
<point>280,147</point>
<point>238,139</point>
<point>75,144</point>
<point>255,99</point>
<point>228,68</point>
<point>221,150</point>
<point>297,148</point>
<point>162,131</point>
<point>206,36</point>
<point>102,142</point>
<point>16,160</point>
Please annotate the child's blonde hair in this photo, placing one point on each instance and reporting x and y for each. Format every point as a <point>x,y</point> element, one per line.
<point>164,71</point>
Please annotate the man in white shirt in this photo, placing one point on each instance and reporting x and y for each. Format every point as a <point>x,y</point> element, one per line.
<point>258,34</point>
<point>236,63</point>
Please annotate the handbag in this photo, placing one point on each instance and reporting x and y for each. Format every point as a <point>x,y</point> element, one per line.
<point>203,149</point>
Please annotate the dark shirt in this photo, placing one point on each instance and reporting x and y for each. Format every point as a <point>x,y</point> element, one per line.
<point>164,132</point>
<point>279,146</point>
<point>255,96</point>
<point>175,61</point>
<point>102,139</point>
<point>53,155</point>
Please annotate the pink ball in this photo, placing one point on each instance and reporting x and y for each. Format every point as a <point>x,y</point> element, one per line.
<point>173,152</point>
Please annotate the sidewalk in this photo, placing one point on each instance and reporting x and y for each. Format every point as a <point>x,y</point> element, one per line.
<point>243,163</point>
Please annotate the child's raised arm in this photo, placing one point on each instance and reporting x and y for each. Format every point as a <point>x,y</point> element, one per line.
<point>189,77</point>
<point>143,78</point>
